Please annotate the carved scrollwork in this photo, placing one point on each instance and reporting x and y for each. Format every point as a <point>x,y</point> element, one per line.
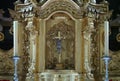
<point>94,48</point>
<point>91,35</point>
<point>26,50</point>
<point>25,57</point>
<point>6,62</point>
<point>63,27</point>
<point>30,34</point>
<point>60,6</point>
<point>91,57</point>
<point>114,64</point>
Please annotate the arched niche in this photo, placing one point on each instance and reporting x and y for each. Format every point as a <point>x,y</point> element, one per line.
<point>60,25</point>
<point>60,42</point>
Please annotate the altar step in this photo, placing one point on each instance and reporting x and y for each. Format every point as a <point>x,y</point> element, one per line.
<point>59,75</point>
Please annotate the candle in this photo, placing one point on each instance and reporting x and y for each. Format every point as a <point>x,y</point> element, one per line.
<point>106,42</point>
<point>15,31</point>
<point>93,1</point>
<point>34,52</point>
<point>59,35</point>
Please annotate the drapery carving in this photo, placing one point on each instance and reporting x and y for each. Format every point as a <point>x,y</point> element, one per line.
<point>91,37</point>
<point>89,33</point>
<point>32,33</point>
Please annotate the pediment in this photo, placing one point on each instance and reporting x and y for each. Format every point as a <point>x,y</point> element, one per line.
<point>64,6</point>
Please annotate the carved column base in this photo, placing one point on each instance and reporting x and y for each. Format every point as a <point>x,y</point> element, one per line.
<point>106,60</point>
<point>31,74</point>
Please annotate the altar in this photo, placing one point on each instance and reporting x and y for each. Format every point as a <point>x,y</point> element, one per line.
<point>60,40</point>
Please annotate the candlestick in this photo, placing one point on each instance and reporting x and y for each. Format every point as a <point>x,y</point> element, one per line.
<point>106,60</point>
<point>15,58</point>
<point>106,41</point>
<point>15,31</point>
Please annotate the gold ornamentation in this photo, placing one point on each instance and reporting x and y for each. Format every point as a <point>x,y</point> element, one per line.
<point>94,50</point>
<point>25,57</point>
<point>27,13</point>
<point>6,63</point>
<point>118,37</point>
<point>1,36</point>
<point>14,14</point>
<point>60,6</point>
<point>114,65</point>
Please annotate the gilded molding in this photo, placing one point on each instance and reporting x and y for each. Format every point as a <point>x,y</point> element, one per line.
<point>60,6</point>
<point>25,57</point>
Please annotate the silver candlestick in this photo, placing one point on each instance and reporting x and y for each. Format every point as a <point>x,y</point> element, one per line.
<point>106,60</point>
<point>15,58</point>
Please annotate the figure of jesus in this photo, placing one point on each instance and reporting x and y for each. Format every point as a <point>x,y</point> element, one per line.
<point>58,44</point>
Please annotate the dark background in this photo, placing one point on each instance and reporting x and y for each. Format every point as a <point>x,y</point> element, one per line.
<point>7,43</point>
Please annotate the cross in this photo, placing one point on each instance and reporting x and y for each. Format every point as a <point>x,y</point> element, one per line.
<point>59,36</point>
<point>58,44</point>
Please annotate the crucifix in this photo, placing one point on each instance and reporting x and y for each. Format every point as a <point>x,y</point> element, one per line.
<point>58,44</point>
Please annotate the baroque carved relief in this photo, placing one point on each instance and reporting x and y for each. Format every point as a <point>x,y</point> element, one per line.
<point>91,36</point>
<point>60,35</point>
<point>33,33</point>
<point>25,56</point>
<point>6,61</point>
<point>90,32</point>
<point>60,6</point>
<point>114,64</point>
<point>94,46</point>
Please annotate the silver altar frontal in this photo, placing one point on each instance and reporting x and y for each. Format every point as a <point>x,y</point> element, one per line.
<point>59,75</point>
